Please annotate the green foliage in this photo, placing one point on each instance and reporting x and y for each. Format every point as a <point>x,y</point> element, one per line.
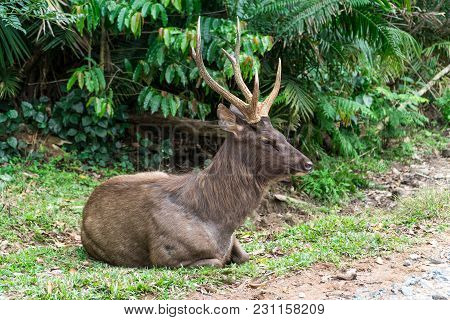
<point>93,138</point>
<point>443,103</point>
<point>334,181</point>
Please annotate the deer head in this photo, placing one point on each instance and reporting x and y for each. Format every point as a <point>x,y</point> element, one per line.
<point>256,141</point>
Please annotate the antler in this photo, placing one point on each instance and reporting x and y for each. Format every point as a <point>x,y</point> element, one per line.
<point>253,110</point>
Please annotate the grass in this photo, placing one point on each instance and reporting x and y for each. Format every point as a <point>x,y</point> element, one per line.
<point>42,205</point>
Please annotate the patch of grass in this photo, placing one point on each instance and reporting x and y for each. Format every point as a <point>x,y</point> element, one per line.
<point>45,204</point>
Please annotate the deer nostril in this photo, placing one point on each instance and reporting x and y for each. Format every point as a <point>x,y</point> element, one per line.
<point>308,165</point>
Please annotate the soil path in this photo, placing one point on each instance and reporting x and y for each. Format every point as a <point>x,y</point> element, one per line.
<point>421,272</point>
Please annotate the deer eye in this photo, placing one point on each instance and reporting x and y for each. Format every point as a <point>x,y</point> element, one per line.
<point>270,142</point>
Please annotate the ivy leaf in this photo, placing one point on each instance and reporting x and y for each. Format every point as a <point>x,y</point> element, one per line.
<point>72,132</point>
<point>78,107</point>
<point>27,109</point>
<point>3,117</point>
<point>12,114</point>
<point>86,120</point>
<point>12,141</point>
<point>100,132</point>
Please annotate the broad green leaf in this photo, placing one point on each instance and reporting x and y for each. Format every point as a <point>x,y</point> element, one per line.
<point>166,37</point>
<point>72,80</point>
<point>184,42</point>
<point>142,96</point>
<point>95,81</point>
<point>173,105</point>
<point>177,4</point>
<point>81,80</point>
<point>88,81</point>
<point>170,73</point>
<point>121,18</point>
<point>12,141</point>
<point>181,75</point>
<point>147,100</point>
<point>136,24</point>
<point>155,103</point>
<point>165,106</point>
<point>101,78</point>
<point>128,65</point>
<point>160,56</point>
<point>145,9</point>
<point>164,17</point>
<point>155,11</point>
<point>137,73</point>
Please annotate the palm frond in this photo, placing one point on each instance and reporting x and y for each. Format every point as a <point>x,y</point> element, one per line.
<point>9,83</point>
<point>12,46</point>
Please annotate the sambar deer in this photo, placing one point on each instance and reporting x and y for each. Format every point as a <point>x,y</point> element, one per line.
<point>159,219</point>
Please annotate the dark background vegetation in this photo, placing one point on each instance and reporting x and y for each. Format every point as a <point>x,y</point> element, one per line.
<point>355,75</point>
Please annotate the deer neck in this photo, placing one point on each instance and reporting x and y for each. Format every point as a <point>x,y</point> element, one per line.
<point>229,189</point>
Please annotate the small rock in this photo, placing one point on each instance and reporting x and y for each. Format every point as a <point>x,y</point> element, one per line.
<point>379,260</point>
<point>407,291</point>
<point>435,261</point>
<point>425,284</point>
<point>407,263</point>
<point>414,257</point>
<point>301,295</point>
<point>349,275</point>
<point>410,281</point>
<point>395,171</point>
<point>439,296</point>
<point>446,153</point>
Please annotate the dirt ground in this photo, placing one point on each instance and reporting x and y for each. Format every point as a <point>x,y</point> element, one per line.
<point>422,272</point>
<point>371,278</point>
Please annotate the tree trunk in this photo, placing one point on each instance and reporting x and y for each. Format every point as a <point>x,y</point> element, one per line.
<point>431,83</point>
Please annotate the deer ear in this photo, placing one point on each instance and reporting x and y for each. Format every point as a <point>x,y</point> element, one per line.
<point>227,120</point>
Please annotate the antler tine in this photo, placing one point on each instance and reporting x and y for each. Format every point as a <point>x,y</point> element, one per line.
<point>197,55</point>
<point>236,66</point>
<point>254,105</point>
<point>265,106</point>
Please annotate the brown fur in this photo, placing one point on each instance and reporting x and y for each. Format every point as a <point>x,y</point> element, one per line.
<point>157,219</point>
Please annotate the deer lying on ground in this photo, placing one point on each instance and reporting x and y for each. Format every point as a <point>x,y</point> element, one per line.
<point>159,219</point>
